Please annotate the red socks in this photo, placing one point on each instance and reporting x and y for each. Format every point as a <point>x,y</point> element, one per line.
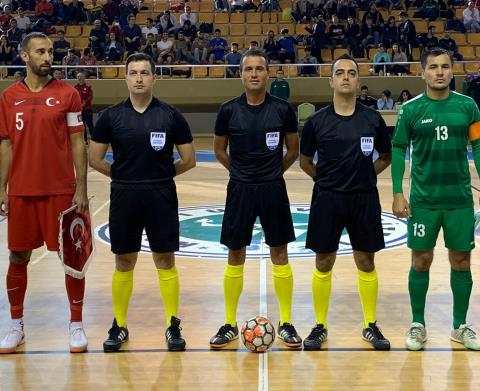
<point>16,288</point>
<point>75,292</point>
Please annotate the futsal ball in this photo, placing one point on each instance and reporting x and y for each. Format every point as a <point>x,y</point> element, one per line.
<point>258,334</point>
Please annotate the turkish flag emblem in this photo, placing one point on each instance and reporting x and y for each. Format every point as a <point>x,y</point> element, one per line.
<point>76,242</point>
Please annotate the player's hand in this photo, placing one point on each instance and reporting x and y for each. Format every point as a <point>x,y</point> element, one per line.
<point>3,203</point>
<point>400,206</point>
<point>81,200</point>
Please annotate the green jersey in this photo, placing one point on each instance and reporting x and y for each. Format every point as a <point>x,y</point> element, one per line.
<point>280,89</point>
<point>437,133</point>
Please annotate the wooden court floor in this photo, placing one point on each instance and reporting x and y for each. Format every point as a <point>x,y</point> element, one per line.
<point>346,363</point>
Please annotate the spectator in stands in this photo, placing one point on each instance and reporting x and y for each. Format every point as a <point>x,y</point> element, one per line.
<point>236,5</point>
<point>18,76</point>
<point>271,47</point>
<point>318,37</point>
<point>307,69</point>
<point>381,57</point>
<point>453,23</point>
<point>44,10</point>
<point>5,18</point>
<point>397,4</point>
<point>336,34</point>
<point>149,28</point>
<point>398,55</point>
<point>110,9</point>
<point>167,23</point>
<point>345,10</point>
<point>133,35</point>
<point>280,87</point>
<point>97,39</point>
<point>407,34</point>
<point>189,31</point>
<point>404,96</point>
<point>118,32</point>
<point>471,18</point>
<point>218,48</point>
<point>330,8</point>
<point>385,102</point>
<point>150,47</point>
<point>125,10</point>
<point>390,31</point>
<point>233,58</point>
<point>94,11</point>
<point>429,40</point>
<point>88,59</point>
<point>370,35</point>
<point>183,49</point>
<point>86,96</point>
<point>113,49</point>
<point>269,5</point>
<point>188,15</point>
<point>287,47</point>
<point>60,47</point>
<point>449,44</point>
<point>301,10</point>
<point>222,5</point>
<point>60,12</point>
<point>58,74</point>
<point>473,89</point>
<point>353,34</point>
<point>178,7</point>
<point>429,10</point>
<point>71,59</point>
<point>5,51</point>
<point>76,13</point>
<point>14,34</point>
<point>200,47</point>
<point>23,22</point>
<point>249,5</point>
<point>165,50</point>
<point>374,13</point>
<point>254,45</point>
<point>366,99</point>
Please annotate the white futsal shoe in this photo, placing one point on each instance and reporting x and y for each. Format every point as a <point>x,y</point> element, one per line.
<point>416,336</point>
<point>78,339</point>
<point>14,338</point>
<point>466,336</point>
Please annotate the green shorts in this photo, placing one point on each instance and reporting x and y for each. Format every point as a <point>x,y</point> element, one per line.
<point>457,225</point>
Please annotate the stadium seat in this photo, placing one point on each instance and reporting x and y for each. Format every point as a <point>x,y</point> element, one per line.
<point>217,72</point>
<point>439,25</point>
<point>460,38</point>
<point>200,72</point>
<point>141,18</point>
<point>266,27</point>
<point>223,29</point>
<point>458,69</point>
<point>304,110</point>
<point>205,17</point>
<point>255,17</point>
<point>421,26</point>
<point>473,38</point>
<point>121,73</point>
<point>206,6</point>
<point>416,54</point>
<point>292,71</point>
<point>253,29</point>
<point>289,26</point>
<point>272,71</point>
<point>221,17</point>
<point>270,17</point>
<point>109,73</point>
<point>238,29</point>
<point>237,17</point>
<point>477,51</point>
<point>364,69</point>
<point>194,6</point>
<point>468,52</point>
<point>73,31</point>
<point>81,43</point>
<point>326,54</point>
<point>86,29</point>
<point>471,67</point>
<point>325,70</point>
<point>339,51</point>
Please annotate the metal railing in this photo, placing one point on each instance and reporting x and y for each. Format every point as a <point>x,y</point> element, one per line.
<point>219,71</point>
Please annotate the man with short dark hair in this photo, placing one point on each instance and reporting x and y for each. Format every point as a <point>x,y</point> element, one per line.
<point>142,132</point>
<point>60,47</point>
<point>218,47</point>
<point>280,87</point>
<point>366,99</point>
<point>254,127</point>
<point>233,58</point>
<point>344,135</point>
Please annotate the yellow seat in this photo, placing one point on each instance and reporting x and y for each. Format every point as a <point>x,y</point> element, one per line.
<point>121,73</point>
<point>73,31</point>
<point>200,72</point>
<point>421,26</point>
<point>237,29</point>
<point>266,27</point>
<point>223,29</point>
<point>81,43</point>
<point>473,38</point>
<point>364,69</point>
<point>289,26</point>
<point>270,17</point>
<point>237,17</point>
<point>216,72</point>
<point>141,18</point>
<point>206,6</point>
<point>326,54</point>
<point>254,29</point>
<point>205,17</point>
<point>460,38</point>
<point>471,67</point>
<point>416,54</point>
<point>272,71</point>
<point>221,17</point>
<point>254,17</point>
<point>86,29</point>
<point>439,26</point>
<point>109,73</point>
<point>339,51</point>
<point>325,70</point>
<point>458,69</point>
<point>468,52</point>
<point>291,71</point>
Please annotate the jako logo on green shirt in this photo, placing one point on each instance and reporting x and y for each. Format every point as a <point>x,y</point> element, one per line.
<point>200,228</point>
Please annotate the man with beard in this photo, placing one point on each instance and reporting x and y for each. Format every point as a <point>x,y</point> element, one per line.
<point>41,133</point>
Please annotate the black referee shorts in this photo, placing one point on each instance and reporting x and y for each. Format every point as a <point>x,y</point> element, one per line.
<point>138,207</point>
<point>245,202</point>
<point>331,212</point>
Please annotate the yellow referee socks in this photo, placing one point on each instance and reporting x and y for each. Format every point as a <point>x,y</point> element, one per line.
<point>283,284</point>
<point>368,290</point>
<point>122,286</point>
<point>321,290</point>
<point>170,291</point>
<point>232,289</point>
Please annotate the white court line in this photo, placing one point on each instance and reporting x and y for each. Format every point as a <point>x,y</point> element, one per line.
<point>263,357</point>
<point>100,208</point>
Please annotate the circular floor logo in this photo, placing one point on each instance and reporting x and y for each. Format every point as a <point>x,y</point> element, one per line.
<point>200,228</point>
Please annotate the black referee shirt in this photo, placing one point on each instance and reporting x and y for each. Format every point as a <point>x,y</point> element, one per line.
<point>142,143</point>
<point>255,136</point>
<point>344,145</point>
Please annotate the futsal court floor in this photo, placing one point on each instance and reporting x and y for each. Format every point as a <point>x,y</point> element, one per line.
<point>345,363</point>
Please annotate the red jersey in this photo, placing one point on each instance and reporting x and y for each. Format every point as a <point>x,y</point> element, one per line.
<point>39,125</point>
<point>86,95</point>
